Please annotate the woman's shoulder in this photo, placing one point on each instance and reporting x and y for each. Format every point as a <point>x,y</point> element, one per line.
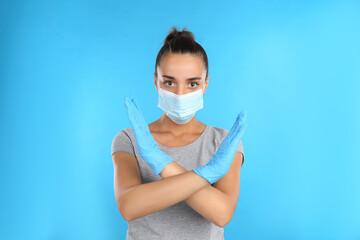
<point>122,141</point>
<point>218,131</point>
<point>218,134</point>
<point>124,133</point>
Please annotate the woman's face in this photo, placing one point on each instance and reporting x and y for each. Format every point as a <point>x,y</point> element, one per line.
<point>181,74</point>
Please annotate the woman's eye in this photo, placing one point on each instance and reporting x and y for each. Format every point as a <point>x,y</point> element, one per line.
<point>194,83</point>
<point>165,83</point>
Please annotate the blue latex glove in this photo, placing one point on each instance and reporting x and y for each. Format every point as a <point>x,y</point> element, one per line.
<point>145,142</point>
<point>221,161</point>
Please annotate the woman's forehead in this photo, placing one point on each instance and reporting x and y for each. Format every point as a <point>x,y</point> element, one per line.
<point>187,58</point>
<point>182,66</point>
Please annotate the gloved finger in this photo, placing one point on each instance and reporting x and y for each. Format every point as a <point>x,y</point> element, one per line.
<point>242,115</point>
<point>129,109</point>
<point>138,111</point>
<point>235,128</point>
<point>241,121</point>
<point>239,134</point>
<point>142,122</point>
<point>132,114</point>
<point>241,126</point>
<point>231,132</point>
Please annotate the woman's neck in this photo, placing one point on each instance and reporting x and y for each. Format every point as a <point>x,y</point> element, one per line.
<point>165,124</point>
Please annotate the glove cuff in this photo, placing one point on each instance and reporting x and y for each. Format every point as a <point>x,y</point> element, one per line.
<point>201,171</point>
<point>157,169</point>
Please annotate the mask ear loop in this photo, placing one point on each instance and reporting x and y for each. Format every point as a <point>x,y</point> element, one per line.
<point>204,87</point>
<point>157,83</point>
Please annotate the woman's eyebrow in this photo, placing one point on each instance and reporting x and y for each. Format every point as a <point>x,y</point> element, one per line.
<point>191,79</point>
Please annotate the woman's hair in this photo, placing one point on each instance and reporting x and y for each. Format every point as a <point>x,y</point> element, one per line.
<point>181,42</point>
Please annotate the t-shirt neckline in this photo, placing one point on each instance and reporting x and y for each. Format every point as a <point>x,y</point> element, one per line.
<point>187,145</point>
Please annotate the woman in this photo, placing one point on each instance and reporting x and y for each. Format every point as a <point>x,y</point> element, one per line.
<point>177,178</point>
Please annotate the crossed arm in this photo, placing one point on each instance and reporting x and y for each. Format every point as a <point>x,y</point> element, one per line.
<point>216,203</point>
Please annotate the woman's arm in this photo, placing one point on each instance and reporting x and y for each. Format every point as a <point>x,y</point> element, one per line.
<point>210,202</point>
<point>144,199</point>
<point>141,200</point>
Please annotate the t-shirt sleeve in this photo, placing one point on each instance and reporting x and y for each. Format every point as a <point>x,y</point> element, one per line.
<point>240,149</point>
<point>122,142</point>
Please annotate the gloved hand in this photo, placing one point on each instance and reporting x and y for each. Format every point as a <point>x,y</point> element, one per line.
<point>145,142</point>
<point>221,161</point>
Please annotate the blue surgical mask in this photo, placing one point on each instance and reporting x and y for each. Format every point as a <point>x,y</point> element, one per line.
<point>180,108</point>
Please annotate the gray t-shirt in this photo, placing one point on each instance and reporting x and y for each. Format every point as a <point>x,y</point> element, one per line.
<point>178,221</point>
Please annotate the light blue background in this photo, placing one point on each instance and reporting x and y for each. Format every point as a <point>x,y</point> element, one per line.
<point>65,67</point>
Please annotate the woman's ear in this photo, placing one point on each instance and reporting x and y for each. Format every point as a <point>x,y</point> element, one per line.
<point>155,81</point>
<point>206,84</point>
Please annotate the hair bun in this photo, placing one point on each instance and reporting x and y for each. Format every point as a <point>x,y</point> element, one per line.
<point>181,42</point>
<point>174,33</point>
